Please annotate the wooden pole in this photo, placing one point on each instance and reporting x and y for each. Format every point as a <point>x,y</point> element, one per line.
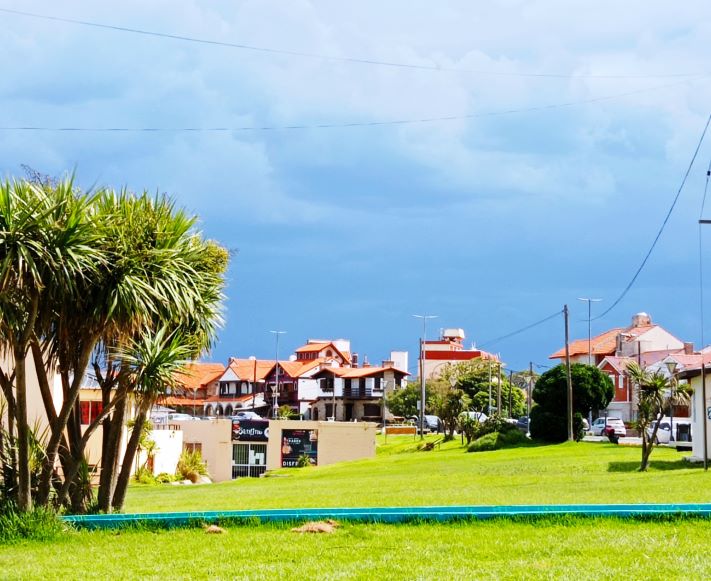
<point>569,376</point>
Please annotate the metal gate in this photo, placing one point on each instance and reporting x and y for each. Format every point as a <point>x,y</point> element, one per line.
<point>248,460</point>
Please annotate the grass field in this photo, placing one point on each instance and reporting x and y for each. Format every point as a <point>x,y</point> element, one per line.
<point>534,549</point>
<point>399,476</point>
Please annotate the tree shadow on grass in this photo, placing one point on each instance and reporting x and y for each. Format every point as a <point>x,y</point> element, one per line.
<point>653,465</point>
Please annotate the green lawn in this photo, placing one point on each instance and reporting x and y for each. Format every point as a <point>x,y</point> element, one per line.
<point>399,475</point>
<point>567,473</point>
<point>582,549</point>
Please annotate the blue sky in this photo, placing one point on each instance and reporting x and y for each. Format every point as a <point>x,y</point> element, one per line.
<point>491,223</point>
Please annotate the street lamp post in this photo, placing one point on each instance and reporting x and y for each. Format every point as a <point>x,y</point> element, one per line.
<point>423,357</point>
<point>671,367</point>
<point>275,407</point>
<point>589,301</point>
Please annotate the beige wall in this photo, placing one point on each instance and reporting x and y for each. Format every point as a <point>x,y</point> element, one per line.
<point>215,437</point>
<point>337,441</point>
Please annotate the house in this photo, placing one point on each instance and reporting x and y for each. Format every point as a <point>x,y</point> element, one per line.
<point>642,341</point>
<point>448,349</point>
<point>196,382</point>
<point>240,387</point>
<point>355,393</point>
<point>700,409</point>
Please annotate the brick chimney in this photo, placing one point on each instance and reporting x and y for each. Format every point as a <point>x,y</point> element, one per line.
<point>688,348</point>
<point>388,363</point>
<point>354,360</point>
<point>365,362</point>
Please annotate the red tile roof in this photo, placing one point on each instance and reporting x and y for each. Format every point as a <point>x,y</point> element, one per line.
<point>603,344</point>
<point>197,374</point>
<point>244,368</point>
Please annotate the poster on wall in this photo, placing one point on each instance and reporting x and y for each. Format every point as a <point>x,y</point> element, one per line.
<point>250,430</point>
<point>298,447</point>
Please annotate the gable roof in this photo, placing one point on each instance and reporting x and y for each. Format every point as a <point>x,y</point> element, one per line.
<point>197,374</point>
<point>357,372</point>
<point>244,368</point>
<point>318,346</point>
<point>603,344</point>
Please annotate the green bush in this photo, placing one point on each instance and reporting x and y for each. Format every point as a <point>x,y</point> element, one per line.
<point>40,524</point>
<point>164,478</point>
<point>191,466</point>
<point>497,440</point>
<point>485,443</point>
<point>144,476</point>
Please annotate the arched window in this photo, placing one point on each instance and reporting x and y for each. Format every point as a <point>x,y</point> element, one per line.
<point>228,410</point>
<point>208,410</point>
<point>218,410</point>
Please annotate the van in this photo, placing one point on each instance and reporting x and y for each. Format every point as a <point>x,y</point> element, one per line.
<point>682,430</point>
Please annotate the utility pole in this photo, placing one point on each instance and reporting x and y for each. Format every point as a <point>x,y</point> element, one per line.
<point>510,391</point>
<point>423,357</point>
<point>570,378</point>
<point>705,411</point>
<point>530,392</point>
<point>590,301</point>
<point>488,410</point>
<point>275,407</point>
<point>498,388</point>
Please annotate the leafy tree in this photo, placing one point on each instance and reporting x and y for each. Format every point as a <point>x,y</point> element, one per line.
<point>656,394</point>
<point>592,389</point>
<point>473,378</point>
<point>403,402</point>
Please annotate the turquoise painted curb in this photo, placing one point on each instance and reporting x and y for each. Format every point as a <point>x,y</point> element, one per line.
<point>388,514</point>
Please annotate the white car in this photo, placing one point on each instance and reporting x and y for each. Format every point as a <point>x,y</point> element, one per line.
<point>247,416</point>
<point>682,431</point>
<point>599,425</point>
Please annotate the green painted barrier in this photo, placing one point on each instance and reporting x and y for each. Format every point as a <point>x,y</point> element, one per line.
<point>388,514</point>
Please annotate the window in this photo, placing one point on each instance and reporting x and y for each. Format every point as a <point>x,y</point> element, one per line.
<point>377,383</point>
<point>244,388</point>
<point>193,447</point>
<point>89,411</point>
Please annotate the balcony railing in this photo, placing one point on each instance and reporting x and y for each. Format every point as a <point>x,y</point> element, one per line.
<point>362,392</point>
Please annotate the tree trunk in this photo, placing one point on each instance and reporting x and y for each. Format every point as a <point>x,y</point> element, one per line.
<point>24,494</point>
<point>647,450</point>
<point>112,451</point>
<point>130,454</point>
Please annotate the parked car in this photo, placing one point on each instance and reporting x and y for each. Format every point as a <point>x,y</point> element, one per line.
<point>480,417</point>
<point>682,430</point>
<point>599,425</point>
<point>522,424</point>
<point>432,423</point>
<point>180,417</point>
<point>247,416</point>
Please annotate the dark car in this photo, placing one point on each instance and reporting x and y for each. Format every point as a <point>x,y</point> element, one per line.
<point>432,423</point>
<point>522,424</point>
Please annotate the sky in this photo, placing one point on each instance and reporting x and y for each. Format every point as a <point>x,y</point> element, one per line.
<point>572,131</point>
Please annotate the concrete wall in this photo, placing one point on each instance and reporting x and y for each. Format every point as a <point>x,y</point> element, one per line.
<point>215,437</point>
<point>169,446</point>
<point>337,441</point>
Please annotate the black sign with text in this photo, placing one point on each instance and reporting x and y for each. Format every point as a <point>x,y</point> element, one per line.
<point>298,444</point>
<point>250,430</point>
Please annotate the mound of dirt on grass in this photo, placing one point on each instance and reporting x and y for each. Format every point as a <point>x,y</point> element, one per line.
<point>321,526</point>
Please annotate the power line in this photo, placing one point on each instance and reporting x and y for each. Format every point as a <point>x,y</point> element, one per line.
<point>362,61</point>
<point>664,223</point>
<point>521,330</point>
<point>341,125</point>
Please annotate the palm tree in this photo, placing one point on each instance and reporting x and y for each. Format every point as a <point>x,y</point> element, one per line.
<point>44,241</point>
<point>655,396</point>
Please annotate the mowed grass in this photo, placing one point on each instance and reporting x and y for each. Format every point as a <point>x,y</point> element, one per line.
<point>401,476</point>
<point>573,548</point>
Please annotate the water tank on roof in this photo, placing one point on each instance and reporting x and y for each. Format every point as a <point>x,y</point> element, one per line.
<point>641,320</point>
<point>453,334</point>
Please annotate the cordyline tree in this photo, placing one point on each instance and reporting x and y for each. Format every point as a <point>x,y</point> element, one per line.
<point>655,396</point>
<point>118,281</point>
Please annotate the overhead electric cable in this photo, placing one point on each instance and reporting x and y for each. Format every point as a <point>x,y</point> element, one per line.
<point>701,261</point>
<point>664,223</point>
<point>340,125</point>
<point>363,61</point>
<point>521,330</point>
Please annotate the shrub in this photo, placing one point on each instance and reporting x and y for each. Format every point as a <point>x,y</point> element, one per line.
<point>144,476</point>
<point>40,524</point>
<point>164,478</point>
<point>191,466</point>
<point>498,440</point>
<point>486,443</point>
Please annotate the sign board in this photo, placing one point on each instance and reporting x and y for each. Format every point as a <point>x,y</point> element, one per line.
<point>250,430</point>
<point>298,443</point>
